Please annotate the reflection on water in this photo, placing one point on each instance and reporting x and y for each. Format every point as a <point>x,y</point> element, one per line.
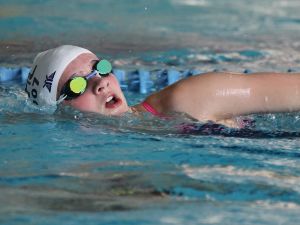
<point>209,30</point>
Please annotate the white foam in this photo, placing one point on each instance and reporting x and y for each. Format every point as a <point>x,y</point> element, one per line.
<point>230,173</point>
<point>276,205</point>
<point>190,2</point>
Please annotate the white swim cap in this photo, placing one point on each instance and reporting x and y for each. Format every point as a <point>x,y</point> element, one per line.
<point>47,68</point>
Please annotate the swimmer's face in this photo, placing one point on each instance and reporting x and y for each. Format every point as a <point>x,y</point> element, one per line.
<point>99,90</point>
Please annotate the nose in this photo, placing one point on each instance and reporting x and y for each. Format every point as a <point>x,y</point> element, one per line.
<point>100,85</point>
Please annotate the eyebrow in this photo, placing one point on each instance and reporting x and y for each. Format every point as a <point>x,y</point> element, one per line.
<point>92,63</point>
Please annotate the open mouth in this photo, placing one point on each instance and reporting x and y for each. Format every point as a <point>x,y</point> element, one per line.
<point>112,102</point>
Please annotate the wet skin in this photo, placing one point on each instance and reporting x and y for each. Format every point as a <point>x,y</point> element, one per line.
<point>216,97</point>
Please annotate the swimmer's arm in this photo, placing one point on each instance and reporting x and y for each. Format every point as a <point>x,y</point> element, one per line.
<point>219,96</point>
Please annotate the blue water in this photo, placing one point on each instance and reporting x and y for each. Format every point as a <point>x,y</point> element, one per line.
<point>72,168</point>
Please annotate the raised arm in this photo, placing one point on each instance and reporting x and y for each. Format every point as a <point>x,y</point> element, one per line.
<point>219,96</point>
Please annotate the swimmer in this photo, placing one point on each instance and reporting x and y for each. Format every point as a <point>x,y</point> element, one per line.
<point>74,76</point>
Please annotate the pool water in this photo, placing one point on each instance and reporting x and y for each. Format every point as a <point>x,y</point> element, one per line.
<point>72,167</point>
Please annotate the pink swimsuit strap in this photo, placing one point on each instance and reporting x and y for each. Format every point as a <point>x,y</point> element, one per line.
<point>153,111</point>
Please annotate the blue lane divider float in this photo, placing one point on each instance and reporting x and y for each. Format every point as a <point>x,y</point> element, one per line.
<point>145,82</point>
<point>121,76</point>
<point>9,74</point>
<point>173,76</point>
<point>141,80</point>
<point>133,81</point>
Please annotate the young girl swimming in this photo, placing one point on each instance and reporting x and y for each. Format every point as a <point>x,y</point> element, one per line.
<point>74,76</point>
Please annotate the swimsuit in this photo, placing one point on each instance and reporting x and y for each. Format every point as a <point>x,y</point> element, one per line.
<point>153,111</point>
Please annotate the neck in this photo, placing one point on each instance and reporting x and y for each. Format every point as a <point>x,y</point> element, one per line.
<point>136,109</point>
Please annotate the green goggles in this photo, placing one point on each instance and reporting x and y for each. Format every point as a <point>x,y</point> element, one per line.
<point>77,85</point>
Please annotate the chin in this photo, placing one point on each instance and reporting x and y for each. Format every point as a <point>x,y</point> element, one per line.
<point>117,111</point>
<point>120,112</point>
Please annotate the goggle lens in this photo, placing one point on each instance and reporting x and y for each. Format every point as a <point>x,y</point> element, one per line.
<point>104,67</point>
<point>78,85</point>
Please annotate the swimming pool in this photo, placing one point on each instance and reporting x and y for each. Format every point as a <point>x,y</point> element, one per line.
<point>72,168</point>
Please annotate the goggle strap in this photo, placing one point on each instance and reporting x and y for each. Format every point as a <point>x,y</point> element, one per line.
<point>91,75</point>
<point>61,99</point>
